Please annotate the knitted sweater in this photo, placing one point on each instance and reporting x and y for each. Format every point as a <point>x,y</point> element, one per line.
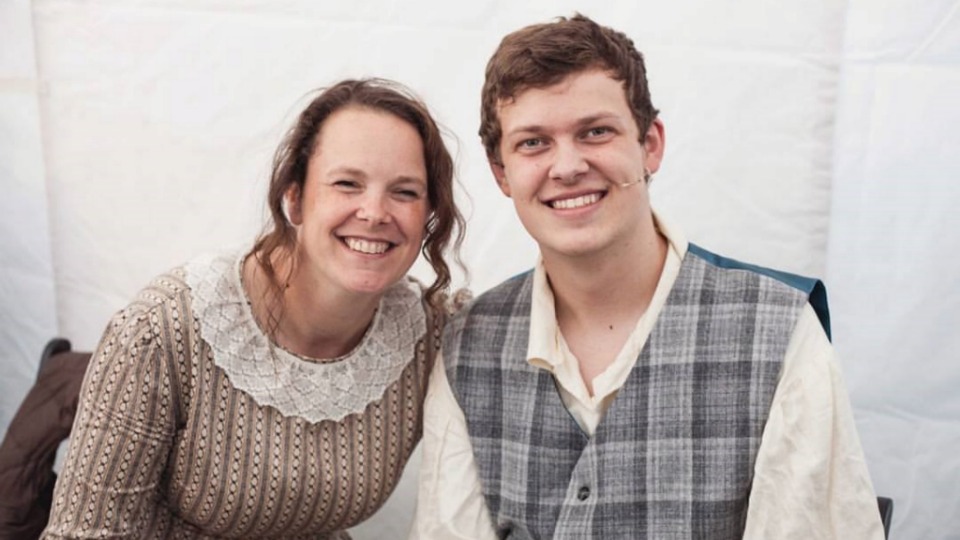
<point>169,444</point>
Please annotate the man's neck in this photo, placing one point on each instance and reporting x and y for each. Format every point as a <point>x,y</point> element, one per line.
<point>600,298</point>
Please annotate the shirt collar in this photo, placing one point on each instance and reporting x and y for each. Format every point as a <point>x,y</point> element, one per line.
<point>544,335</point>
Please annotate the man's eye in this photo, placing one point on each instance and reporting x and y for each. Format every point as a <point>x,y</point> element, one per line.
<point>597,131</point>
<point>530,143</point>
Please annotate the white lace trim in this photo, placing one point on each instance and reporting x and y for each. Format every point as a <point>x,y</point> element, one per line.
<point>293,385</point>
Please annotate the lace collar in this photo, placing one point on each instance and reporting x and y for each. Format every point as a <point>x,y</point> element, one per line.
<point>293,385</point>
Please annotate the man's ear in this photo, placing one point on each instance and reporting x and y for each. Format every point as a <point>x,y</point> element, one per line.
<point>653,145</point>
<point>500,175</point>
<point>293,204</point>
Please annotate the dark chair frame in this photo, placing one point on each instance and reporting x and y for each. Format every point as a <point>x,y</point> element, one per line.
<point>28,449</point>
<point>54,347</point>
<point>886,514</point>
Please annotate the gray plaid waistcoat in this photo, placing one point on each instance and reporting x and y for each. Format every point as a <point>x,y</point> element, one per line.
<point>673,457</point>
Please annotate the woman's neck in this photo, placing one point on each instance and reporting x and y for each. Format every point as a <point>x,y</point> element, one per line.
<point>301,315</point>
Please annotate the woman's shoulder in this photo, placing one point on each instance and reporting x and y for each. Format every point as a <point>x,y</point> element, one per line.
<point>444,303</point>
<point>162,291</point>
<point>175,289</point>
<point>168,286</point>
<point>451,303</point>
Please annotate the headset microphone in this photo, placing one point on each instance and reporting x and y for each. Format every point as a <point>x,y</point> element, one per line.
<point>645,178</point>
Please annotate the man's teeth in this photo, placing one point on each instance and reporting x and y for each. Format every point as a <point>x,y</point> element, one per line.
<point>576,202</point>
<point>367,246</point>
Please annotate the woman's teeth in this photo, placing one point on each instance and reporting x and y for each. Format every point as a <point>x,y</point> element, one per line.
<point>372,247</point>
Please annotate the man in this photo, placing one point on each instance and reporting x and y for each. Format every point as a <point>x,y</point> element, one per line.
<point>632,385</point>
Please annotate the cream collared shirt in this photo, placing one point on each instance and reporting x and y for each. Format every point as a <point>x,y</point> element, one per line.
<point>810,478</point>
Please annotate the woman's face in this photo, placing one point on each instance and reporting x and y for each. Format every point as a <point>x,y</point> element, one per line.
<point>364,207</point>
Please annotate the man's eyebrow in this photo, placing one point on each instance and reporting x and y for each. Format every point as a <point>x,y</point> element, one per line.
<point>530,128</point>
<point>586,120</point>
<point>597,117</point>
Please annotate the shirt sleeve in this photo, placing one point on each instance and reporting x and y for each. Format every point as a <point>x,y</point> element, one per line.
<point>121,437</point>
<point>450,503</point>
<point>810,478</point>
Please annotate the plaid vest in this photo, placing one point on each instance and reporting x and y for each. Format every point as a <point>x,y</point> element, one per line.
<point>673,456</point>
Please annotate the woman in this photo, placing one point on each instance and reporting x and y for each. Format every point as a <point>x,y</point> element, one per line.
<point>277,393</point>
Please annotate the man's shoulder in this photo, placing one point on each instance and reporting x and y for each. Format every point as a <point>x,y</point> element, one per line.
<point>509,291</point>
<point>806,289</point>
<point>498,307</point>
<point>797,282</point>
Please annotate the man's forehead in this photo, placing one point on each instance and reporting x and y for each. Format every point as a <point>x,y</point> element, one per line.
<point>592,92</point>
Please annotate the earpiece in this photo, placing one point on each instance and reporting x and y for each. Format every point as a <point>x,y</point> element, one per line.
<point>645,179</point>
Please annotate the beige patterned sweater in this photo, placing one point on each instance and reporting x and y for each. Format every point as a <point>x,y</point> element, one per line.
<point>165,445</point>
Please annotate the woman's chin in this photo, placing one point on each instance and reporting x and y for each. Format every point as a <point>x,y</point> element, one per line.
<point>369,285</point>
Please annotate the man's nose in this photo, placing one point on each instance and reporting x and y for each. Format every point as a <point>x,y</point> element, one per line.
<point>569,163</point>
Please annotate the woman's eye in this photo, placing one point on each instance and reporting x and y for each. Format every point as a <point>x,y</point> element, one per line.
<point>408,194</point>
<point>346,184</point>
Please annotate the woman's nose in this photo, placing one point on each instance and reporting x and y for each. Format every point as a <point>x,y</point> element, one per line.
<point>373,209</point>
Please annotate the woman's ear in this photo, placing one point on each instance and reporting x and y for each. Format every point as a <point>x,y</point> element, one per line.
<point>292,205</point>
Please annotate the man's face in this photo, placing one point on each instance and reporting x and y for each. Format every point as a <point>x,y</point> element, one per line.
<point>573,162</point>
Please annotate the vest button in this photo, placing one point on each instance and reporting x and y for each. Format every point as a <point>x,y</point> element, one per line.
<point>583,493</point>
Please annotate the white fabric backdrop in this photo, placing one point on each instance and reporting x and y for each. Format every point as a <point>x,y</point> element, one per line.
<point>818,137</point>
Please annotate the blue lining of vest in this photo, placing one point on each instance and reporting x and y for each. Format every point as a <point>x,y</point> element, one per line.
<point>814,289</point>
